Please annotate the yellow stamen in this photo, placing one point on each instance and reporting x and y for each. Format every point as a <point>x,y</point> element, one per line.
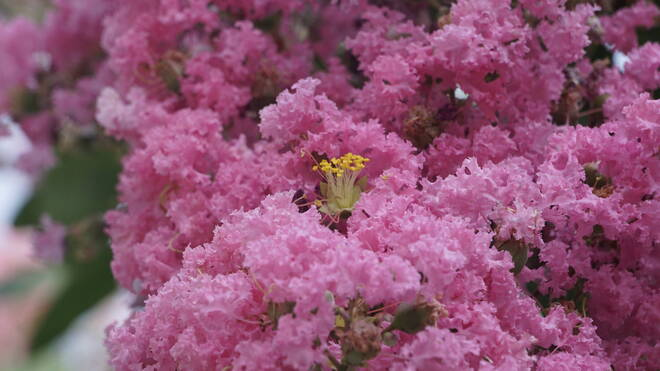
<point>342,187</point>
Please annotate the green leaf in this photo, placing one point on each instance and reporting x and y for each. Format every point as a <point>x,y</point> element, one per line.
<point>411,318</point>
<point>87,284</point>
<point>169,72</point>
<point>519,251</point>
<point>354,358</point>
<point>645,35</point>
<point>22,283</point>
<point>76,192</point>
<point>81,184</point>
<point>520,258</point>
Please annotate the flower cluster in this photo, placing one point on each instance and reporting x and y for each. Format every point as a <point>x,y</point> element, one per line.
<point>51,75</point>
<point>512,226</point>
<point>502,213</point>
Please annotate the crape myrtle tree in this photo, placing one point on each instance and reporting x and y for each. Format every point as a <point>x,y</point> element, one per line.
<point>352,184</point>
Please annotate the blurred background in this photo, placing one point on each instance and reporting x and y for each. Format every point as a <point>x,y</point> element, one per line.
<point>57,294</point>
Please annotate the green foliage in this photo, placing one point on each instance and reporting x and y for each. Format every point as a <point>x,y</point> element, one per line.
<point>82,184</point>
<point>87,284</point>
<point>575,298</point>
<point>519,251</point>
<point>645,35</point>
<point>412,318</point>
<point>76,192</point>
<point>360,330</point>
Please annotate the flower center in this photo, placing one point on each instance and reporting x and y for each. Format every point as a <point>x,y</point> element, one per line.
<point>342,187</point>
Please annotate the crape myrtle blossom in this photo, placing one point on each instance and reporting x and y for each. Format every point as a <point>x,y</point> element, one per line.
<point>52,72</point>
<point>303,190</point>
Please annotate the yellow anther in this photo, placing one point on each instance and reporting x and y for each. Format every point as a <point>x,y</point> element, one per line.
<point>338,166</point>
<point>342,187</point>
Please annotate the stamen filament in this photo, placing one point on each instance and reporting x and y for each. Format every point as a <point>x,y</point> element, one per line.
<point>341,188</point>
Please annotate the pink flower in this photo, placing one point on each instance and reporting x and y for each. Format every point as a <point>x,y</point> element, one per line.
<point>513,227</point>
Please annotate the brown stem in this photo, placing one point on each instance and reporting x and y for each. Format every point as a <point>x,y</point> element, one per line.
<point>590,112</point>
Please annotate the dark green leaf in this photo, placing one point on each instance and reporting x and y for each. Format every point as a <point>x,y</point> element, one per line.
<point>88,283</point>
<point>354,358</point>
<point>519,252</point>
<point>645,35</point>
<point>81,184</point>
<point>76,192</point>
<point>411,318</point>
